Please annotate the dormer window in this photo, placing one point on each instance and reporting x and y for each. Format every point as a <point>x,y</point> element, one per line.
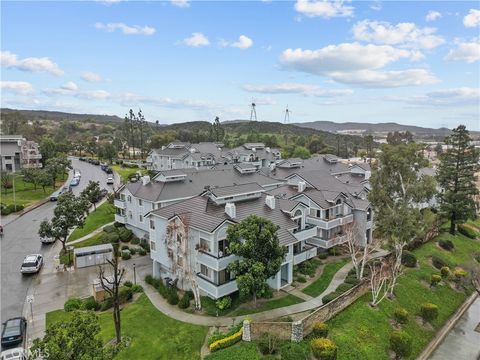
<point>369,214</point>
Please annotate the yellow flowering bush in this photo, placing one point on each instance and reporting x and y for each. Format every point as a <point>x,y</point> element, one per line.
<point>227,341</point>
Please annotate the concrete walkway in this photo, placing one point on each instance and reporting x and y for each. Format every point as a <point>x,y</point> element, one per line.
<point>173,311</point>
<point>88,236</point>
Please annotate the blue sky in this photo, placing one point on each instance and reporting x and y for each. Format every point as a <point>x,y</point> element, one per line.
<point>371,61</point>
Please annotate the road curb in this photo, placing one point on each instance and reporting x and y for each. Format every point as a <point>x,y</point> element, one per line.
<point>436,341</point>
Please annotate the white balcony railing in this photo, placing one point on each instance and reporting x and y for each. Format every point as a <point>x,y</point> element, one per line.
<point>122,219</point>
<point>118,203</point>
<point>327,243</point>
<point>306,233</point>
<point>216,291</point>
<point>215,263</point>
<point>304,255</point>
<point>330,224</point>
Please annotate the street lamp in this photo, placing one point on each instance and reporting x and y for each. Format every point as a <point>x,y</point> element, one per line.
<point>134,275</point>
<point>69,249</point>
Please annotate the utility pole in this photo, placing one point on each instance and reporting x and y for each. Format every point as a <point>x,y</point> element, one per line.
<point>13,184</point>
<point>253,111</point>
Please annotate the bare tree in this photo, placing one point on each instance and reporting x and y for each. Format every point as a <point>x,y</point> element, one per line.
<point>180,253</point>
<point>111,285</point>
<point>395,267</point>
<point>359,253</point>
<point>379,281</point>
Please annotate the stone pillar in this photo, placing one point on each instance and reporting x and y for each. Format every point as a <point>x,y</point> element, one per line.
<point>246,331</point>
<point>297,331</point>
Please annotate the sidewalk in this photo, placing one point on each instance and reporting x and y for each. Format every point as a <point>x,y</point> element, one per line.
<point>93,233</point>
<point>173,311</point>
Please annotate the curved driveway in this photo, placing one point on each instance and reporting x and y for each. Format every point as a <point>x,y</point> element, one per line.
<point>21,239</point>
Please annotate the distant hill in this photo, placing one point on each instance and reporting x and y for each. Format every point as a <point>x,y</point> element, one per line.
<point>59,116</point>
<point>372,128</point>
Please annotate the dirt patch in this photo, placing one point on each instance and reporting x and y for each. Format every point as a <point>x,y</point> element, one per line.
<point>424,324</point>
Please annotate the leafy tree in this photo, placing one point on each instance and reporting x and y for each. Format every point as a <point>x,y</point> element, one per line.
<point>438,149</point>
<point>45,179</point>
<point>396,192</point>
<point>255,240</point>
<point>315,144</point>
<point>47,149</point>
<point>76,338</point>
<point>6,179</point>
<point>398,137</point>
<point>68,213</point>
<point>92,193</point>
<point>369,145</point>
<point>13,123</point>
<point>58,166</point>
<point>456,176</point>
<point>31,176</point>
<point>301,152</point>
<point>217,131</point>
<point>108,151</point>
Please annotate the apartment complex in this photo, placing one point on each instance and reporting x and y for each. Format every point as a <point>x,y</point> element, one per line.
<point>185,213</point>
<point>16,153</point>
<point>178,155</point>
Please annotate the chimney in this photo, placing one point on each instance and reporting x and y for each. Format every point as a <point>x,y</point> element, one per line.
<point>301,186</point>
<point>231,210</point>
<point>270,201</point>
<point>145,180</point>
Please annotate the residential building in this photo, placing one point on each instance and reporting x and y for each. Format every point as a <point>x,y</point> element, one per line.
<point>16,153</point>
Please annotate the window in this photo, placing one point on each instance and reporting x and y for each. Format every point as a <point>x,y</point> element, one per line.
<point>152,246</point>
<point>153,206</point>
<point>122,197</point>
<point>222,248</point>
<point>204,270</point>
<point>130,215</point>
<point>369,214</point>
<point>179,238</point>
<point>297,247</point>
<point>140,202</point>
<point>223,277</point>
<point>140,218</point>
<point>204,244</point>
<point>179,260</point>
<point>319,212</point>
<point>129,198</point>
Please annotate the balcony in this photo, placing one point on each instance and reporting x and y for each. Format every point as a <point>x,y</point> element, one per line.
<point>307,253</point>
<point>214,262</point>
<point>306,233</point>
<point>216,291</point>
<point>328,243</point>
<point>119,203</point>
<point>122,219</point>
<point>330,224</point>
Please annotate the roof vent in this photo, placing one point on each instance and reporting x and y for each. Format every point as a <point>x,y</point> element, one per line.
<point>270,201</point>
<point>145,180</point>
<point>301,186</point>
<point>231,210</point>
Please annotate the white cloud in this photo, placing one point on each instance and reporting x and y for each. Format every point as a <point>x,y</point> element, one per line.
<point>127,99</point>
<point>17,87</point>
<point>69,86</point>
<point>91,76</point>
<point>402,34</point>
<point>126,29</point>
<point>31,64</point>
<point>353,63</point>
<point>377,6</point>
<point>472,19</point>
<point>180,3</point>
<point>323,8</point>
<point>71,89</point>
<point>433,15</point>
<point>244,42</point>
<point>108,2</point>
<point>196,40</point>
<point>94,94</point>
<point>294,88</point>
<point>445,97</point>
<point>465,51</point>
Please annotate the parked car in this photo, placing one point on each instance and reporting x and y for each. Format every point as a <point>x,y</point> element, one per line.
<point>32,264</point>
<point>96,162</point>
<point>56,194</point>
<point>103,166</point>
<point>90,160</point>
<point>103,193</point>
<point>75,181</point>
<point>110,180</point>
<point>82,159</point>
<point>45,240</point>
<point>109,170</point>
<point>13,332</point>
<point>17,353</point>
<point>77,173</point>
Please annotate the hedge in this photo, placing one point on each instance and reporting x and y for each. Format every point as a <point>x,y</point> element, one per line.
<point>466,231</point>
<point>409,260</point>
<point>329,297</point>
<point>401,343</point>
<point>227,341</point>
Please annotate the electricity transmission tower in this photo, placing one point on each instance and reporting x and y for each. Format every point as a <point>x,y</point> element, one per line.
<point>286,120</point>
<point>253,111</point>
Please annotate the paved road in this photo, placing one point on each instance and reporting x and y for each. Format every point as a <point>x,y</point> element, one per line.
<point>21,239</point>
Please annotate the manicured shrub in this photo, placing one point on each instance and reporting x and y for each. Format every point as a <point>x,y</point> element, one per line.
<point>467,231</point>
<point>125,247</point>
<point>435,280</point>
<point>112,238</point>
<point>118,225</point>
<point>227,341</point>
<point>437,262</point>
<point>401,344</point>
<point>128,283</point>
<point>149,279</point>
<point>301,279</point>
<point>267,293</point>
<point>184,301</point>
<point>329,297</point>
<point>459,274</point>
<point>224,303</point>
<point>268,343</point>
<point>126,255</point>
<point>137,289</point>
<point>343,288</point>
<point>125,294</point>
<point>307,268</point>
<point>351,280</point>
<point>446,245</point>
<point>324,349</point>
<point>400,315</point>
<point>12,208</point>
<point>294,351</point>
<point>133,251</point>
<point>106,304</point>
<point>429,311</point>
<point>135,240</point>
<point>320,330</point>
<point>445,271</point>
<point>91,304</point>
<point>334,251</point>
<point>189,294</point>
<point>110,229</point>
<point>142,252</point>
<point>172,296</point>
<point>145,245</point>
<point>73,304</point>
<point>323,255</point>
<point>409,260</point>
<point>125,234</point>
<point>5,211</point>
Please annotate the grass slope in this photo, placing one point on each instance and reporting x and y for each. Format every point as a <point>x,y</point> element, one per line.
<point>104,214</point>
<point>268,305</point>
<point>319,285</point>
<point>153,334</point>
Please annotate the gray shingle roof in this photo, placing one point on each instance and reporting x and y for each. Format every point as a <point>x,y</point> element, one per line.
<point>236,190</point>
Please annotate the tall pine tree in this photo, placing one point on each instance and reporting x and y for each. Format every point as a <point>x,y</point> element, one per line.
<point>456,176</point>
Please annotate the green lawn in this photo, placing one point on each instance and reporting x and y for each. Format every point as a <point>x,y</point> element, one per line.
<point>329,271</point>
<point>362,332</point>
<point>267,305</point>
<point>240,351</point>
<point>104,214</point>
<point>25,193</point>
<point>125,173</point>
<point>153,334</point>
